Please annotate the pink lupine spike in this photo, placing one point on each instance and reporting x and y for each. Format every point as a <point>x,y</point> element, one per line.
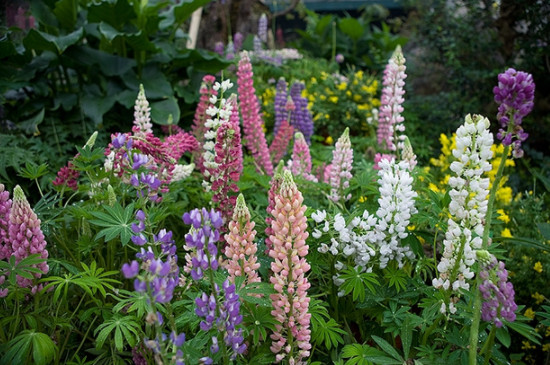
<point>276,181</point>
<point>241,249</point>
<point>279,146</point>
<point>252,120</point>
<point>5,207</point>
<point>301,158</point>
<point>177,144</point>
<point>229,161</point>
<point>340,168</point>
<point>290,302</point>
<point>67,175</point>
<point>25,234</point>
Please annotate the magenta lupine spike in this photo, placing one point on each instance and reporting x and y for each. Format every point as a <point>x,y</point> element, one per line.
<point>252,120</point>
<point>301,158</point>
<point>5,207</point>
<point>177,144</point>
<point>390,120</point>
<point>198,128</point>
<point>229,162</point>
<point>241,249</point>
<point>142,114</point>
<point>515,95</point>
<point>67,175</point>
<point>340,168</point>
<point>279,145</point>
<point>25,234</point>
<point>290,302</point>
<point>276,181</point>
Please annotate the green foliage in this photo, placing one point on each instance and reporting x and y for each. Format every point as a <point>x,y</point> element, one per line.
<point>355,283</point>
<point>117,222</point>
<point>125,330</point>
<point>29,344</point>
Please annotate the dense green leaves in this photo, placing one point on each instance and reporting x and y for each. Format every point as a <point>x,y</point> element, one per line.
<point>117,222</point>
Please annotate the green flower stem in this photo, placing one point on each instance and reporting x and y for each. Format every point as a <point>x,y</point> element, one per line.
<point>488,346</point>
<point>474,329</point>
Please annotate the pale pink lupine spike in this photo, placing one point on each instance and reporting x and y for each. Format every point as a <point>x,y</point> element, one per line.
<point>241,249</point>
<point>279,146</point>
<point>252,120</point>
<point>25,234</point>
<point>290,302</point>
<point>390,120</point>
<point>340,168</point>
<point>273,191</point>
<point>5,207</point>
<point>142,114</point>
<point>301,158</point>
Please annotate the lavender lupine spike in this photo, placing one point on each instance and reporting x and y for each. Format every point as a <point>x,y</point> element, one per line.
<point>238,40</point>
<point>25,235</point>
<point>515,95</point>
<point>390,120</point>
<point>262,28</point>
<point>280,104</point>
<point>340,168</point>
<point>252,119</point>
<point>301,117</point>
<point>5,207</point>
<point>301,158</point>
<point>142,115</point>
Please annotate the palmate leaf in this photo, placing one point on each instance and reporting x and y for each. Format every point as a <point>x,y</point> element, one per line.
<point>328,332</point>
<point>396,277</point>
<point>28,342</point>
<point>258,320</point>
<point>355,281</point>
<point>117,222</point>
<point>127,330</point>
<point>365,355</point>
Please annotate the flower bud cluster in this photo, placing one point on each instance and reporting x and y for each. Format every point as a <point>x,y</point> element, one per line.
<point>468,206</point>
<point>340,168</point>
<point>497,293</point>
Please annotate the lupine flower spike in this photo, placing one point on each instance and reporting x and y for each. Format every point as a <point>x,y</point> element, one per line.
<point>468,207</point>
<point>280,104</point>
<point>279,146</point>
<point>241,249</point>
<point>142,114</point>
<point>515,95</point>
<point>390,120</point>
<point>276,181</point>
<point>252,121</point>
<point>291,338</point>
<point>301,158</point>
<point>5,207</point>
<point>198,128</point>
<point>301,118</point>
<point>340,168</point>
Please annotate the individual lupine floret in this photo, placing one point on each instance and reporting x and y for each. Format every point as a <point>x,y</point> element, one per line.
<point>497,293</point>
<point>291,338</point>
<point>241,249</point>
<point>390,120</point>
<point>279,104</point>
<point>229,161</point>
<point>515,95</point>
<point>250,110</point>
<point>279,146</point>
<point>301,118</point>
<point>276,181</point>
<point>5,207</point>
<point>340,168</point>
<point>468,206</point>
<point>395,208</point>
<point>301,158</point>
<point>142,114</point>
<point>25,235</point>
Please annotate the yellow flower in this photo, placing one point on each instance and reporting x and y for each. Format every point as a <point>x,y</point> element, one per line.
<point>433,187</point>
<point>529,313</point>
<point>362,199</point>
<point>546,347</point>
<point>506,233</point>
<point>547,334</point>
<point>313,80</point>
<point>359,74</point>
<point>343,86</point>
<point>526,345</point>
<point>357,97</point>
<point>503,216</point>
<point>376,103</point>
<point>330,141</point>
<point>539,298</point>
<point>333,99</point>
<point>363,107</point>
<point>348,93</point>
<point>538,267</point>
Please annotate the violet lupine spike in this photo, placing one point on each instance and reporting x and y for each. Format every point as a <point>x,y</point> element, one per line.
<point>390,120</point>
<point>238,40</point>
<point>340,168</point>
<point>198,129</point>
<point>5,208</point>
<point>25,235</point>
<point>276,181</point>
<point>290,302</point>
<point>515,96</point>
<point>280,102</point>
<point>301,118</point>
<point>241,249</point>
<point>301,158</point>
<point>229,161</point>
<point>279,145</point>
<point>252,120</point>
<point>497,294</point>
<point>142,114</point>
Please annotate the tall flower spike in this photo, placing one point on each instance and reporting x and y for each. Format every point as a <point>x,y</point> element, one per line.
<point>390,120</point>
<point>252,120</point>
<point>241,249</point>
<point>292,335</point>
<point>262,28</point>
<point>468,206</point>
<point>301,158</point>
<point>25,235</point>
<point>279,145</point>
<point>198,128</point>
<point>340,168</point>
<point>515,95</point>
<point>281,96</point>
<point>301,118</point>
<point>276,181</point>
<point>5,207</point>
<point>142,115</point>
<point>408,154</point>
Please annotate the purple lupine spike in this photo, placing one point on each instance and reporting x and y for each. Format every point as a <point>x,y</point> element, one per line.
<point>280,104</point>
<point>497,293</point>
<point>515,95</point>
<point>238,40</point>
<point>262,28</point>
<point>5,207</point>
<point>301,118</point>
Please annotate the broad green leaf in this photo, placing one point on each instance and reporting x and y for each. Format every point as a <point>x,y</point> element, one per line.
<point>388,349</point>
<point>66,12</point>
<point>351,27</point>
<point>504,337</point>
<point>46,42</point>
<point>116,13</point>
<point>30,125</point>
<point>43,348</point>
<point>406,336</point>
<point>110,65</point>
<point>162,110</point>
